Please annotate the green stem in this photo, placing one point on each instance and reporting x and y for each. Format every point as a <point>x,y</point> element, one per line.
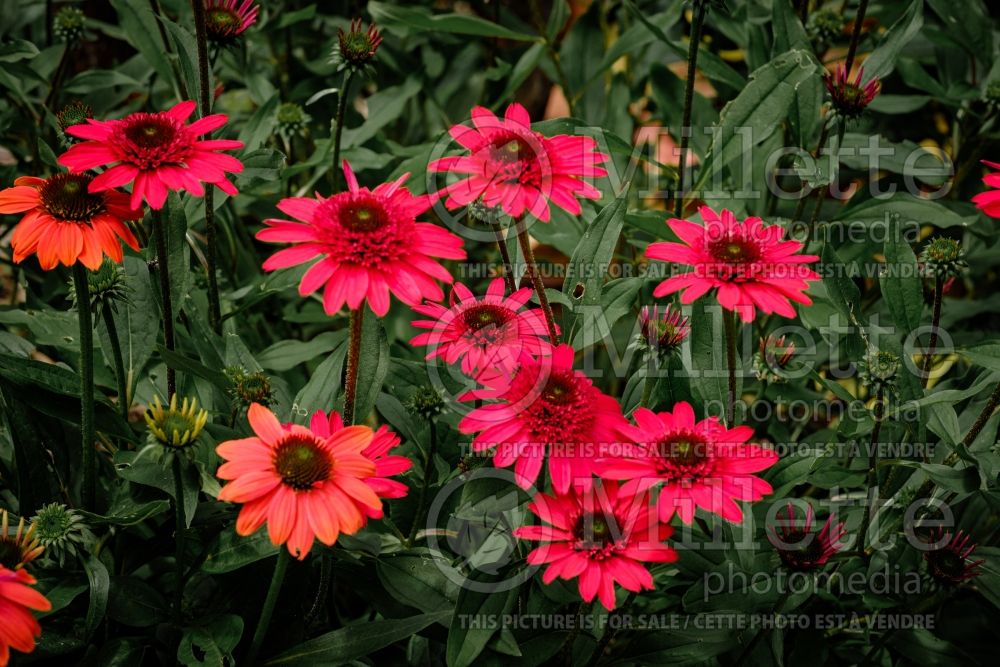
<point>508,266</point>
<point>752,644</point>
<point>325,570</point>
<point>280,566</point>
<point>872,483</point>
<point>700,7</point>
<point>116,351</point>
<point>610,631</point>
<point>89,492</point>
<point>852,50</point>
<point>341,112</point>
<point>935,323</point>
<point>180,527</point>
<point>353,359</point>
<point>163,269</point>
<point>649,383</point>
<point>422,498</point>
<point>567,648</point>
<point>729,320</point>
<point>536,279</point>
<point>201,36</point>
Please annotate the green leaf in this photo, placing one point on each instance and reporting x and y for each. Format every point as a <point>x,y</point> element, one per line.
<point>287,354</point>
<point>762,105</point>
<point>911,211</point>
<point>386,106</point>
<point>229,551</point>
<point>711,65</point>
<point>709,375</point>
<point>900,282</point>
<point>135,603</point>
<point>100,586</point>
<point>357,641</point>
<point>326,382</point>
<point>394,16</point>
<point>588,267</point>
<point>373,365</point>
<point>211,644</point>
<point>424,582</point>
<point>467,640</point>
<point>141,30</point>
<point>788,31</point>
<point>985,354</point>
<point>137,322</point>
<point>882,60</point>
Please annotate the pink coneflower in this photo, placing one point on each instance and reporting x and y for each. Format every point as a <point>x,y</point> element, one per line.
<point>546,408</point>
<point>484,332</point>
<point>512,166</point>
<point>369,243</point>
<point>602,537</point>
<point>950,563</point>
<point>748,263</point>
<point>798,546</point>
<point>663,331</point>
<point>699,463</point>
<point>225,20</point>
<point>64,223</point>
<point>306,486</point>
<point>850,98</point>
<point>155,152</point>
<point>989,202</point>
<point>386,465</point>
<point>19,628</point>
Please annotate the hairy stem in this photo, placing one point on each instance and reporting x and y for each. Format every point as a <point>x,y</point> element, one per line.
<point>935,323</point>
<point>872,484</point>
<point>508,266</point>
<point>89,492</point>
<point>422,498</point>
<point>116,352</point>
<point>180,527</point>
<point>163,269</point>
<point>201,36</point>
<point>536,279</point>
<point>353,358</point>
<point>341,112</point>
<point>697,21</point>
<point>729,320</point>
<point>852,50</point>
<point>273,591</point>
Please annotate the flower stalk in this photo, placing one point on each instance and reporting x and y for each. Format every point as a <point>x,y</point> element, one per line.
<point>697,21</point>
<point>267,611</point>
<point>536,279</point>
<point>872,483</point>
<point>205,98</point>
<point>162,268</point>
<point>353,359</point>
<point>935,324</point>
<point>180,526</point>
<point>422,498</point>
<point>89,491</point>
<point>729,320</point>
<point>124,400</point>
<point>339,130</point>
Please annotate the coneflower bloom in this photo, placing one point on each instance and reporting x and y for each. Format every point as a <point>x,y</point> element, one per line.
<point>772,357</point>
<point>487,331</point>
<point>64,223</point>
<point>989,202</point>
<point>663,331</point>
<point>20,628</point>
<point>225,20</point>
<point>386,465</point>
<point>305,486</point>
<point>512,166</point>
<point>697,463</point>
<point>748,264</point>
<point>369,243</point>
<point>602,537</point>
<point>21,547</point>
<point>155,152</point>
<point>356,47</point>
<point>950,563</point>
<point>850,98</point>
<point>798,546</point>
<point>545,409</point>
